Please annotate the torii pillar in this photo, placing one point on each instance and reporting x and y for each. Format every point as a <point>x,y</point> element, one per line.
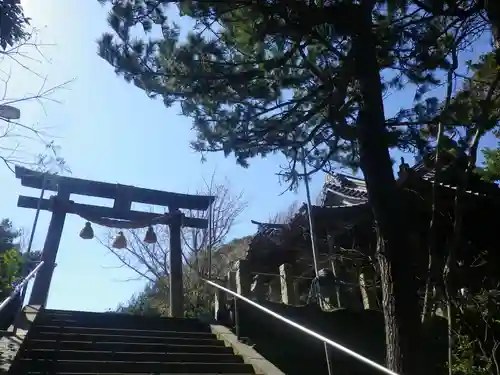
<point>41,285</point>
<point>123,197</point>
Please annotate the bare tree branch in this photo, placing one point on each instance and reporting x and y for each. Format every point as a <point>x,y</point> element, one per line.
<point>225,211</point>
<point>285,216</point>
<point>150,261</point>
<point>16,134</point>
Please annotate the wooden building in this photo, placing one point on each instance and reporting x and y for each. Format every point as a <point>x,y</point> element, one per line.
<point>279,257</point>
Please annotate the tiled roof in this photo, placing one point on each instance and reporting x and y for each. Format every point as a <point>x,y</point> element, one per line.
<point>355,188</point>
<point>428,173</point>
<point>269,229</point>
<point>345,186</point>
<point>355,199</point>
<point>342,214</point>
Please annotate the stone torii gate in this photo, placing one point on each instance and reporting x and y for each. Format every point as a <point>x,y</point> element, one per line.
<point>123,196</point>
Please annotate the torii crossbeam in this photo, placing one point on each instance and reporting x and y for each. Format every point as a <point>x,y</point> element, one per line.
<point>123,196</point>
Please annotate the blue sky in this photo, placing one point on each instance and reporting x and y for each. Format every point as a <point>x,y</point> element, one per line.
<point>110,131</point>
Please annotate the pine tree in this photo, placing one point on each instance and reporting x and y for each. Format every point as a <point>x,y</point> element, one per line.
<point>10,257</point>
<point>491,169</point>
<point>303,79</point>
<point>8,236</point>
<point>14,263</point>
<point>12,23</point>
<point>485,75</point>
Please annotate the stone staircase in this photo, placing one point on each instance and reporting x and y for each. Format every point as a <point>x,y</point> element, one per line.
<point>73,342</point>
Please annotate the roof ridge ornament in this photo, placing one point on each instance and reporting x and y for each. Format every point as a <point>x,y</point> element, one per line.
<point>338,179</point>
<point>404,168</point>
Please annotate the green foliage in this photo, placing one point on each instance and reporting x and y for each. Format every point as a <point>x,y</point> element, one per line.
<point>10,257</point>
<point>465,358</point>
<point>276,77</point>
<point>12,24</point>
<point>10,270</point>
<point>478,337</point>
<point>308,80</point>
<point>8,235</point>
<point>491,168</point>
<point>469,104</point>
<point>14,264</point>
<point>141,303</point>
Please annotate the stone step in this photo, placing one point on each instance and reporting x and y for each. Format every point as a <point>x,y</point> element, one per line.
<point>129,347</point>
<point>122,338</point>
<point>72,342</point>
<point>136,357</point>
<point>88,315</point>
<point>134,373</point>
<point>88,329</point>
<point>30,366</point>
<point>125,321</point>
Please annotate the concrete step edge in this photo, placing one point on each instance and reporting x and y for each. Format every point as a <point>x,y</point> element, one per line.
<point>76,327</point>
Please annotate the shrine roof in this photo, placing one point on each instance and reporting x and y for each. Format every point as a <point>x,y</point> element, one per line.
<point>450,175</point>
<point>340,217</point>
<point>345,205</point>
<point>353,189</point>
<point>345,186</point>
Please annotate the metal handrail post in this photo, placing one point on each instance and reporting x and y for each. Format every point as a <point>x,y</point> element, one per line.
<point>314,248</point>
<point>236,318</point>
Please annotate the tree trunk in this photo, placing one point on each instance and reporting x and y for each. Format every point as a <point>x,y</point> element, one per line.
<point>399,287</point>
<point>492,8</point>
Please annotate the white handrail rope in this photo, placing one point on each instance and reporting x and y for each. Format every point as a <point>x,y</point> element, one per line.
<point>306,330</point>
